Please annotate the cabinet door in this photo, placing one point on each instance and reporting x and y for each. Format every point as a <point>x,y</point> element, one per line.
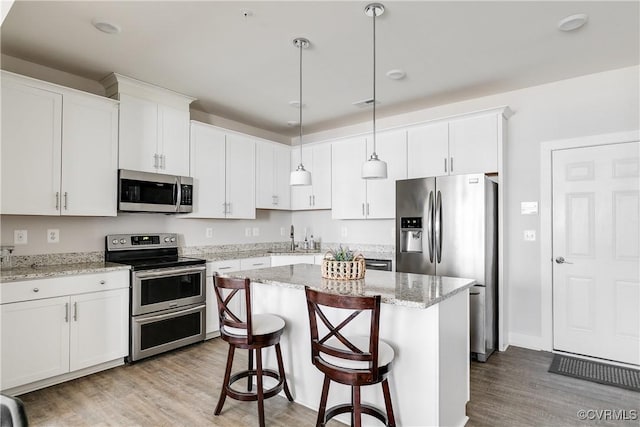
<point>138,134</point>
<point>241,178</point>
<point>31,144</point>
<point>381,193</point>
<point>173,142</point>
<point>35,340</point>
<point>301,194</point>
<point>208,171</point>
<point>213,323</point>
<point>348,189</point>
<point>89,156</point>
<point>473,145</point>
<point>265,176</point>
<point>321,176</point>
<point>282,172</point>
<point>99,328</point>
<point>253,263</point>
<point>428,151</point>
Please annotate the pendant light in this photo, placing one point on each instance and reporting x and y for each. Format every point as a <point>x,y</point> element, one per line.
<point>374,168</point>
<point>300,176</point>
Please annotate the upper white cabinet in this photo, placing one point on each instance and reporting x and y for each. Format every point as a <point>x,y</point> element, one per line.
<point>59,150</point>
<point>316,159</point>
<point>456,147</point>
<point>272,175</point>
<point>223,169</point>
<point>154,126</point>
<point>357,198</point>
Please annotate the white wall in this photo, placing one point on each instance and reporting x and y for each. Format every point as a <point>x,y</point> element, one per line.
<point>589,105</point>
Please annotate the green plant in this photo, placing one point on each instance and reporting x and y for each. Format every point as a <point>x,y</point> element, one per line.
<point>341,254</point>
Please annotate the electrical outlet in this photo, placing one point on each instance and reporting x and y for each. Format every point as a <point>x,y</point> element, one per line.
<point>530,235</point>
<point>53,235</point>
<point>343,231</point>
<point>208,232</point>
<point>20,237</point>
<point>247,232</point>
<point>283,231</point>
<point>256,231</point>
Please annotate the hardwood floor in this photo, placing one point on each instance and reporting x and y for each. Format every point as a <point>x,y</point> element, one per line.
<point>181,388</point>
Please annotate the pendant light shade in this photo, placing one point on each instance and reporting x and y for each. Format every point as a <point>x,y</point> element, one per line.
<point>300,176</point>
<point>374,168</point>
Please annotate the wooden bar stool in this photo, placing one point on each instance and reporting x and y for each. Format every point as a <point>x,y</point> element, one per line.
<point>352,360</point>
<point>254,333</point>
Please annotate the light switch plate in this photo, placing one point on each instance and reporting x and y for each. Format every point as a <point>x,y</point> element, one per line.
<point>20,237</point>
<point>528,208</point>
<point>283,231</point>
<point>530,235</point>
<point>256,231</point>
<point>53,235</point>
<point>208,232</point>
<point>247,232</point>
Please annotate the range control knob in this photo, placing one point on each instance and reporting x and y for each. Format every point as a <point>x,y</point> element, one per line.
<point>123,241</point>
<point>173,239</point>
<point>166,240</point>
<point>114,241</point>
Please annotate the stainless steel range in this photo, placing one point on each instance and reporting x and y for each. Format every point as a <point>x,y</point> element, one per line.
<point>167,292</point>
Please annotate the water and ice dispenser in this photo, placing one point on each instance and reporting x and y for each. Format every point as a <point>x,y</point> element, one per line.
<point>411,234</point>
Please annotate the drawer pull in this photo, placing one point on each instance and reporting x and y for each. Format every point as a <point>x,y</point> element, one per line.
<point>223,268</point>
<point>36,290</point>
<point>258,263</point>
<point>102,282</point>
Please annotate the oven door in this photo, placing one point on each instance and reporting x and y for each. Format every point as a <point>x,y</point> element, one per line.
<point>167,288</point>
<point>159,332</point>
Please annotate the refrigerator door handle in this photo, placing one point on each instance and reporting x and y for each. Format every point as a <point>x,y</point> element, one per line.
<point>430,227</point>
<point>438,223</point>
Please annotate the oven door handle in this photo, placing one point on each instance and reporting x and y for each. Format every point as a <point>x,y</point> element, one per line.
<point>189,310</point>
<point>169,272</point>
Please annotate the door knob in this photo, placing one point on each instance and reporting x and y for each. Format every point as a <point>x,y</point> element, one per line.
<point>561,260</point>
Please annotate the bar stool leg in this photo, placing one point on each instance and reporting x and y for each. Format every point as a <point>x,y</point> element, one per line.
<point>323,402</point>
<point>259,385</point>
<point>282,374</point>
<point>357,409</point>
<point>225,384</point>
<point>391,420</point>
<point>250,367</point>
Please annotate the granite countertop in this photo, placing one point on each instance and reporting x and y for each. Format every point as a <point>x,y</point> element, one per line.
<point>404,289</point>
<point>225,256</point>
<point>43,271</point>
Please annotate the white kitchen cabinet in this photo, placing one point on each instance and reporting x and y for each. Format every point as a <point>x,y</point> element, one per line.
<point>278,260</point>
<point>273,162</point>
<point>216,267</point>
<point>223,170</point>
<point>153,137</point>
<point>59,150</point>
<point>55,326</point>
<point>317,160</point>
<point>428,148</point>
<point>357,198</point>
<point>254,263</point>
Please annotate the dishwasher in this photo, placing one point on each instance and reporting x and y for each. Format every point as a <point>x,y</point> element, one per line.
<point>378,264</point>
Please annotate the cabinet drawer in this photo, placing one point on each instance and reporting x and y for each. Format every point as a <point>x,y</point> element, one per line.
<point>253,263</point>
<point>59,286</point>
<point>222,267</point>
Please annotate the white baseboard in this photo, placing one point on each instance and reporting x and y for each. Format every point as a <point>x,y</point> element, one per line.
<point>531,342</point>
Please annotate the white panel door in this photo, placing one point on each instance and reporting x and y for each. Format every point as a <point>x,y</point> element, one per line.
<point>596,230</point>
<point>173,143</point>
<point>428,151</point>
<point>208,171</point>
<point>348,189</point>
<point>89,156</point>
<point>301,194</point>
<point>241,178</point>
<point>31,144</point>
<point>321,176</point>
<point>381,193</point>
<point>138,147</point>
<point>35,340</point>
<point>473,145</point>
<point>99,328</point>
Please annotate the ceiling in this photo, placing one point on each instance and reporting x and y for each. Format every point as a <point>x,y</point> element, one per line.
<point>246,68</point>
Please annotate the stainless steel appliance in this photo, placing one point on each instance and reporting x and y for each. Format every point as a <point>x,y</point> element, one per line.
<point>377,264</point>
<point>154,192</point>
<point>167,292</point>
<point>447,226</point>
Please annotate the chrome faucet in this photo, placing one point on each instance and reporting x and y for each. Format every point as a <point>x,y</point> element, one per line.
<point>293,242</point>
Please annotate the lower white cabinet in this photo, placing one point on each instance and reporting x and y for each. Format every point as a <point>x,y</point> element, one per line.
<point>216,267</point>
<point>46,334</point>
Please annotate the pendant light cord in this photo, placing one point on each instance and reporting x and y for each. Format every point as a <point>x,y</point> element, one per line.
<point>374,83</point>
<point>300,106</point>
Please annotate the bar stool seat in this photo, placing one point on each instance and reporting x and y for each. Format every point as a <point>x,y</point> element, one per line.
<point>385,354</point>
<point>253,333</point>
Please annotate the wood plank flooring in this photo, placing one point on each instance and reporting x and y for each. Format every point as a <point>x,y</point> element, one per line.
<point>181,388</point>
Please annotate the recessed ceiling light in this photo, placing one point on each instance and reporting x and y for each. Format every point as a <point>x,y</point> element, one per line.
<point>106,26</point>
<point>295,104</point>
<point>572,22</point>
<point>396,74</point>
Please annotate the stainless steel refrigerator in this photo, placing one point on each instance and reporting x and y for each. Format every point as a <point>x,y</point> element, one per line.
<point>447,226</point>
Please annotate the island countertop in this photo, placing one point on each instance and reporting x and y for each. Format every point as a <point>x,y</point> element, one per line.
<point>404,289</point>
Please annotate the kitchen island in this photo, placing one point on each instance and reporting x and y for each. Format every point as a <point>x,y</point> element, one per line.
<point>424,318</point>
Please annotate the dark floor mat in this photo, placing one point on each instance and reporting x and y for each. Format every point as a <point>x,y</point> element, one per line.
<point>602,373</point>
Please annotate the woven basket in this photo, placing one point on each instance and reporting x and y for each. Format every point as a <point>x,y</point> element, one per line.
<point>343,270</point>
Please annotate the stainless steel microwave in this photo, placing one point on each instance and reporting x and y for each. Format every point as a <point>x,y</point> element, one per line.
<point>154,192</point>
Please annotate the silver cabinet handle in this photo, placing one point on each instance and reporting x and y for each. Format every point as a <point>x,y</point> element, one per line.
<point>57,200</point>
<point>66,197</point>
<point>451,165</point>
<point>445,164</point>
<point>36,290</point>
<point>66,312</point>
<point>363,209</point>
<point>229,204</point>
<point>310,201</point>
<point>367,208</point>
<point>164,161</point>
<point>224,268</point>
<point>561,260</point>
<point>258,263</point>
<point>75,311</point>
<point>314,199</point>
<point>155,161</point>
<point>102,282</point>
